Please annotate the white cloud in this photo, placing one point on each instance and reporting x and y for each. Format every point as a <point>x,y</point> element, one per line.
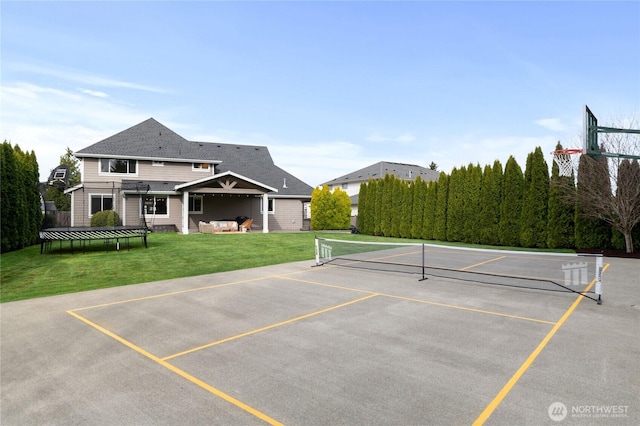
<point>554,124</point>
<point>82,77</point>
<point>95,93</point>
<point>48,120</point>
<point>403,138</point>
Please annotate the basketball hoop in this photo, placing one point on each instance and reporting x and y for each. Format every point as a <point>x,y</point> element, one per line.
<point>567,160</point>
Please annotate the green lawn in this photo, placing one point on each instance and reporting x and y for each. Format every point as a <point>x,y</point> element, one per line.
<point>27,274</point>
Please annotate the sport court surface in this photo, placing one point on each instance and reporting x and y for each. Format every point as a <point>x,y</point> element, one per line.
<point>295,344</point>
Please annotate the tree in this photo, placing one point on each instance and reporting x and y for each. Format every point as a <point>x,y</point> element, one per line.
<point>440,220</point>
<point>511,204</point>
<point>61,200</point>
<point>417,215</point>
<point>364,215</point>
<point>429,215</point>
<point>490,197</point>
<point>433,166</point>
<point>533,219</point>
<point>455,205</point>
<point>20,209</point>
<point>472,188</point>
<point>330,210</point>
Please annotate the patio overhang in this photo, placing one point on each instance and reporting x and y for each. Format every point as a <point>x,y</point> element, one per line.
<point>225,183</point>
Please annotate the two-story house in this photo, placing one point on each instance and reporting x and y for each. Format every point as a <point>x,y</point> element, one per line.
<point>350,183</point>
<point>150,174</point>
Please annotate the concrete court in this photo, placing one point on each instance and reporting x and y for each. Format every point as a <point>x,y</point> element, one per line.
<point>298,345</point>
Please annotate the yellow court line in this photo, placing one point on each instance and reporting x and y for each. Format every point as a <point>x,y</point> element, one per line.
<point>189,290</point>
<point>482,263</point>
<point>269,327</point>
<point>427,302</point>
<point>532,357</point>
<point>180,372</point>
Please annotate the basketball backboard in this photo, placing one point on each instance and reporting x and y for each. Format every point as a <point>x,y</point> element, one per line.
<point>591,146</point>
<point>590,132</point>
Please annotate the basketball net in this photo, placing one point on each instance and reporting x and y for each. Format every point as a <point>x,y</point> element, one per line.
<point>567,160</point>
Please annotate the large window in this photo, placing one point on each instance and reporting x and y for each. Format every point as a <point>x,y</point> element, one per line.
<point>116,165</point>
<point>100,202</point>
<point>155,205</point>
<point>195,204</point>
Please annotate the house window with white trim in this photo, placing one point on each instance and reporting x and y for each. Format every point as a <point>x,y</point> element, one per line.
<point>271,208</point>
<point>195,204</point>
<point>155,205</point>
<point>99,202</point>
<point>200,167</point>
<point>118,166</point>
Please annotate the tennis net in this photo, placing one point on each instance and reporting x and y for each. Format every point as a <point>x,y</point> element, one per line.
<point>550,271</point>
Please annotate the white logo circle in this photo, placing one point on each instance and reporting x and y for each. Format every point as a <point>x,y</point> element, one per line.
<point>557,411</point>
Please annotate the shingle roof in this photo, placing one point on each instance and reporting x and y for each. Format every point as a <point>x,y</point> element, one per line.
<point>151,140</point>
<point>381,169</point>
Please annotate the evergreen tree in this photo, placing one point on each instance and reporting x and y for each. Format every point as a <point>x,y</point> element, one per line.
<point>377,194</point>
<point>319,206</point>
<point>10,193</point>
<point>490,197</point>
<point>397,206</point>
<point>363,209</point>
<point>533,219</point>
<point>429,216</point>
<point>386,208</point>
<point>511,204</point>
<point>62,200</point>
<point>440,221</point>
<point>407,209</point>
<point>417,215</point>
<point>561,211</point>
<point>472,189</point>
<point>455,207</point>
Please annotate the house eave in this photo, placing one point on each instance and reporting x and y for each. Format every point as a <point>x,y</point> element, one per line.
<point>134,157</point>
<point>186,185</point>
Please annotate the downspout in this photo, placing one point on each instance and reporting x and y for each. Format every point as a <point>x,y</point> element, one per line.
<point>185,213</point>
<point>265,213</point>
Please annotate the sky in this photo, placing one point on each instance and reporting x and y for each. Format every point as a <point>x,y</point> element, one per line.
<point>328,86</point>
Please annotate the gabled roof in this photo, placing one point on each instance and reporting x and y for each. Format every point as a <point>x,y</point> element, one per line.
<point>381,169</point>
<point>151,140</point>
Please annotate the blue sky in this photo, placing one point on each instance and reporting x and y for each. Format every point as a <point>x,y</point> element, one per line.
<point>329,87</point>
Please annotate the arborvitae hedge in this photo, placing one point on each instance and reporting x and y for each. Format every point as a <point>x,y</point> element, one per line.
<point>511,205</point>
<point>440,222</point>
<point>490,198</point>
<point>533,219</point>
<point>417,213</point>
<point>21,209</point>
<point>483,205</point>
<point>472,188</point>
<point>455,205</point>
<point>429,214</point>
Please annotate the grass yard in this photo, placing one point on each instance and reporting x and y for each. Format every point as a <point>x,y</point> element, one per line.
<point>26,274</point>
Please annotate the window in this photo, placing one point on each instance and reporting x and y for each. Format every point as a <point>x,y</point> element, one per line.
<point>155,205</point>
<point>195,204</point>
<point>100,202</point>
<point>345,186</point>
<point>272,206</point>
<point>116,165</point>
<point>157,163</point>
<point>201,167</point>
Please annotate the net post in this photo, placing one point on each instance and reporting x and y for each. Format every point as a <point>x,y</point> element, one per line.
<point>317,252</point>
<point>423,265</point>
<point>598,290</point>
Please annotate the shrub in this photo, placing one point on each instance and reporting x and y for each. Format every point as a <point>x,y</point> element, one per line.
<point>105,218</point>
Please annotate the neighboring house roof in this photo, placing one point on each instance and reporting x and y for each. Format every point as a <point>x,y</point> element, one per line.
<point>381,169</point>
<point>151,140</point>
